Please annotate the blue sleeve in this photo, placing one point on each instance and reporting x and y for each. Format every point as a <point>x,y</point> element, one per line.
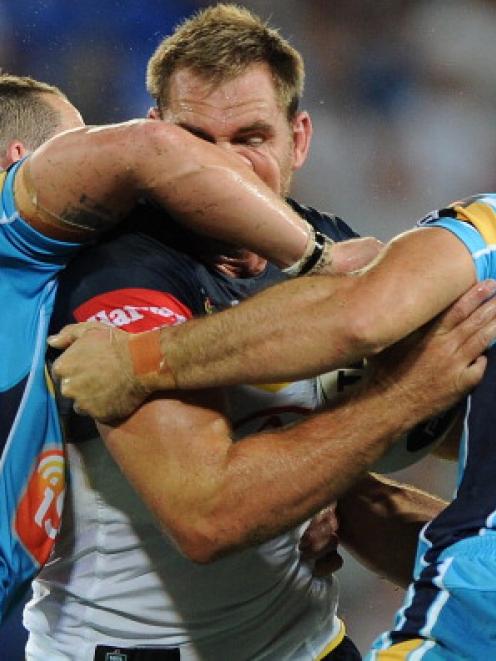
<point>21,244</point>
<point>483,255</point>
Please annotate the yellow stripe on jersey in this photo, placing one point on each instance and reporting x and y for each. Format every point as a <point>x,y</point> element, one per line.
<point>3,176</point>
<point>481,216</point>
<point>333,644</point>
<point>401,651</point>
<point>272,387</point>
<point>49,382</point>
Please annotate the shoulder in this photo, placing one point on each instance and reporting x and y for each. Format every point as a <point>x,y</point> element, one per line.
<point>20,242</point>
<point>473,221</point>
<point>477,212</point>
<point>129,271</point>
<point>329,224</point>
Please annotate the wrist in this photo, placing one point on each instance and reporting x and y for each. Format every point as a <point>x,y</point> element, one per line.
<point>317,255</point>
<point>149,364</point>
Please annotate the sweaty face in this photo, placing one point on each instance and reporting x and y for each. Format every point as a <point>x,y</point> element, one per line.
<point>242,115</point>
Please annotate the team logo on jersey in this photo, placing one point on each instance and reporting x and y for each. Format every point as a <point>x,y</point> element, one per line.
<point>134,310</point>
<point>38,516</point>
<point>208,305</point>
<point>269,418</point>
<point>429,218</point>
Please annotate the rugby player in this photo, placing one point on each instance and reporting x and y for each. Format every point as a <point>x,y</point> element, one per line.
<point>419,274</point>
<point>66,192</point>
<point>181,457</point>
<point>148,277</point>
<point>32,479</point>
<point>37,240</point>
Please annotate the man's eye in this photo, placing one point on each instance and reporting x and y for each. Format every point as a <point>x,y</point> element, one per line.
<point>253,140</point>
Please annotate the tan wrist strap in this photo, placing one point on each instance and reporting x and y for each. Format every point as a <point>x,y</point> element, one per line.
<point>145,353</point>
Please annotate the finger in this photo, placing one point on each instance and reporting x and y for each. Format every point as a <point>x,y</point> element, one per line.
<point>482,332</point>
<point>64,337</point>
<point>320,546</point>
<point>473,374</point>
<point>55,378</point>
<point>327,565</point>
<point>65,385</point>
<point>475,334</point>
<point>316,535</point>
<point>79,410</point>
<point>59,369</point>
<point>69,334</point>
<point>467,304</point>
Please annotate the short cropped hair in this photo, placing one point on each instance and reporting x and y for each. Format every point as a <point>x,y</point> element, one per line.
<point>219,43</point>
<point>24,113</point>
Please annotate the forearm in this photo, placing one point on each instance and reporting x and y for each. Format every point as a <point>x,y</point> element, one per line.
<point>312,325</point>
<point>280,334</point>
<point>215,193</point>
<point>213,496</point>
<point>379,523</point>
<point>85,181</point>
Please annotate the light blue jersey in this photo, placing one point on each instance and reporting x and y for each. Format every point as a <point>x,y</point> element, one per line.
<point>32,459</point>
<point>449,612</point>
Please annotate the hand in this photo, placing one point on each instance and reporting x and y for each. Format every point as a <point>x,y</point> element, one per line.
<point>353,255</point>
<point>96,371</point>
<point>432,369</point>
<point>319,543</point>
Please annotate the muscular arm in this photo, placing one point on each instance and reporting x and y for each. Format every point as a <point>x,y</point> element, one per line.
<point>311,325</point>
<point>84,181</point>
<point>379,523</point>
<point>300,328</point>
<point>214,496</point>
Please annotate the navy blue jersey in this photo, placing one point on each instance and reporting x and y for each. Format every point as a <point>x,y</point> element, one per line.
<point>115,578</point>
<point>145,275</point>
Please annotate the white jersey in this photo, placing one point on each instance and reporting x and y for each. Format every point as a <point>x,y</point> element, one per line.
<point>116,579</point>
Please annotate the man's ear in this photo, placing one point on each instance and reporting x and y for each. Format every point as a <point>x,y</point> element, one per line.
<point>302,135</point>
<point>14,152</point>
<point>153,113</point>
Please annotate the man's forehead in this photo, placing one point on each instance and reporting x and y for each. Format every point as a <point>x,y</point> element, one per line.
<point>250,93</point>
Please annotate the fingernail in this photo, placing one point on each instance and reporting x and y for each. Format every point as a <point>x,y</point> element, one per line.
<point>490,286</point>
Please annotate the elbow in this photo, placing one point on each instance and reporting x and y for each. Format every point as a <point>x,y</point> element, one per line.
<point>364,338</point>
<point>361,331</point>
<point>204,541</point>
<point>355,330</point>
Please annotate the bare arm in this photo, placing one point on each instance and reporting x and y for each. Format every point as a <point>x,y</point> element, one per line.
<point>379,523</point>
<point>86,180</point>
<point>300,328</point>
<point>311,325</point>
<point>214,496</point>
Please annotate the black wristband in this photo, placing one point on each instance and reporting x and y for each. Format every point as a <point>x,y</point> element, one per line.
<point>316,254</point>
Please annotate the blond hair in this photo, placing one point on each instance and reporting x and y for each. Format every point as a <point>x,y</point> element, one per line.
<point>24,113</point>
<point>221,42</point>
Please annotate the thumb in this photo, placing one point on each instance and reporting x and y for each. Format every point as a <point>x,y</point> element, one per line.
<point>69,334</point>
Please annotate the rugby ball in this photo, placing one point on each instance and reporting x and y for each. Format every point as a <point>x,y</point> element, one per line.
<point>410,447</point>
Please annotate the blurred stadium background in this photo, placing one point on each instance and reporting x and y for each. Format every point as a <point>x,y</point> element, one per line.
<point>402,94</point>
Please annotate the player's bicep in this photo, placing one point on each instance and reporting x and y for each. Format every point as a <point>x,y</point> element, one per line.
<point>72,187</point>
<point>172,451</point>
<point>419,274</point>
